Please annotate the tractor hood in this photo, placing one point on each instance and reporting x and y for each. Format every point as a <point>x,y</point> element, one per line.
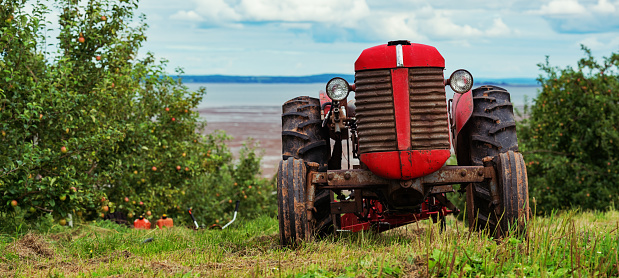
<point>399,54</point>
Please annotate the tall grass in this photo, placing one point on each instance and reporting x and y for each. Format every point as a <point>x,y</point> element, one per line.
<point>566,244</point>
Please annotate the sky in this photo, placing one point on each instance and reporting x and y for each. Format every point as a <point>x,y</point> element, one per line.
<point>492,39</point>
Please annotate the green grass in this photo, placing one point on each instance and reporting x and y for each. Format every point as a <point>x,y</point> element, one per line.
<point>564,245</point>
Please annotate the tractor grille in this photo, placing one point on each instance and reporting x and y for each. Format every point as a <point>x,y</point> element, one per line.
<point>374,111</point>
<point>429,127</point>
<point>376,116</point>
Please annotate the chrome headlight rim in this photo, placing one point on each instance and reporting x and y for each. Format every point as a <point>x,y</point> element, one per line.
<point>335,88</point>
<point>461,81</point>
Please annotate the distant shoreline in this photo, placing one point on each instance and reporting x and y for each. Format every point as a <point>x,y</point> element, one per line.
<point>324,78</point>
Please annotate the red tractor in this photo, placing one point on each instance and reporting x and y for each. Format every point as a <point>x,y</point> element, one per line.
<point>399,126</point>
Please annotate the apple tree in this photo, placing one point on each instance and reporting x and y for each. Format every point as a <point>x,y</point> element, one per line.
<point>570,140</point>
<point>88,128</point>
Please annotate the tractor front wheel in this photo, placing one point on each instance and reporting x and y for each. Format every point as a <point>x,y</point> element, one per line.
<point>513,190</point>
<point>292,213</point>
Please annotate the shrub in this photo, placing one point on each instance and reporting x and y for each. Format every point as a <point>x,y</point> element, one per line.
<point>571,141</point>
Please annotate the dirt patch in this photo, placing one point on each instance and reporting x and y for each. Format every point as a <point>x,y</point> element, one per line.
<point>32,246</point>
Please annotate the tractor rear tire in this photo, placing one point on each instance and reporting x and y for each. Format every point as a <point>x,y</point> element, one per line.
<point>303,137</point>
<point>292,213</point>
<point>490,131</point>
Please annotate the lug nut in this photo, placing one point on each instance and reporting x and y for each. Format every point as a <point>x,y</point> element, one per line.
<point>480,173</point>
<point>347,176</point>
<point>330,176</point>
<point>463,173</point>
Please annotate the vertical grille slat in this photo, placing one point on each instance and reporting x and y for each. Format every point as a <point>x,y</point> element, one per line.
<point>375,112</point>
<point>428,104</point>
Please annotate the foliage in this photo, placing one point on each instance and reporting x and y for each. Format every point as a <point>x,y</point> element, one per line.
<point>571,141</point>
<point>90,128</point>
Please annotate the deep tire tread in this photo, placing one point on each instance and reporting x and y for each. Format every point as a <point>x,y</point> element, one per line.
<point>491,131</point>
<point>301,116</point>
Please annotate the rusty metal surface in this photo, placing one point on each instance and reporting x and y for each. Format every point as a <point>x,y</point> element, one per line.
<point>455,174</point>
<point>442,189</point>
<point>353,178</point>
<point>375,111</point>
<point>428,109</point>
<point>358,178</point>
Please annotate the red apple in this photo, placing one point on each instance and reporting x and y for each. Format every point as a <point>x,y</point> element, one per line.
<point>141,203</point>
<point>173,119</point>
<point>102,199</point>
<point>73,188</point>
<point>167,109</point>
<point>148,213</point>
<point>102,215</point>
<point>154,168</point>
<point>63,149</point>
<point>186,168</point>
<point>106,208</point>
<point>14,203</point>
<point>81,39</point>
<point>184,154</point>
<point>126,199</point>
<point>63,197</point>
<point>103,18</point>
<point>98,58</point>
<point>178,167</point>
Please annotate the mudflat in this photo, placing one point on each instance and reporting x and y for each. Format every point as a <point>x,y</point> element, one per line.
<point>261,123</point>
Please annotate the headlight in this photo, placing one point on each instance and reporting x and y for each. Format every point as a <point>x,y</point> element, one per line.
<point>337,88</point>
<point>461,81</point>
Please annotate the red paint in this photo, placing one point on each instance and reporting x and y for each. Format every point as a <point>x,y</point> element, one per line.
<point>383,164</point>
<point>401,106</point>
<point>405,165</point>
<point>385,57</point>
<point>461,110</point>
<point>141,223</point>
<point>380,221</point>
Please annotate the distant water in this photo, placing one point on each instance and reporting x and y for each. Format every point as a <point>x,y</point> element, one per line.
<point>269,95</point>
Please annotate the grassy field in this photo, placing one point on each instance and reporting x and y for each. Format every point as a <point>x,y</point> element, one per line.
<point>569,244</point>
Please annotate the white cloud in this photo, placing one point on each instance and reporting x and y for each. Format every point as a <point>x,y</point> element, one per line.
<point>563,7</point>
<point>603,6</point>
<point>189,16</point>
<point>499,28</point>
<point>330,20</point>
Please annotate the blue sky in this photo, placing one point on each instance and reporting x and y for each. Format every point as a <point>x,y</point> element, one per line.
<point>492,39</point>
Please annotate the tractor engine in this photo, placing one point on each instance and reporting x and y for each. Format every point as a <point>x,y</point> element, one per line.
<point>401,110</point>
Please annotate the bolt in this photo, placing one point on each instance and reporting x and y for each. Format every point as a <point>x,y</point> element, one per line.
<point>347,176</point>
<point>339,208</point>
<point>463,173</point>
<point>480,173</point>
<point>330,176</point>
